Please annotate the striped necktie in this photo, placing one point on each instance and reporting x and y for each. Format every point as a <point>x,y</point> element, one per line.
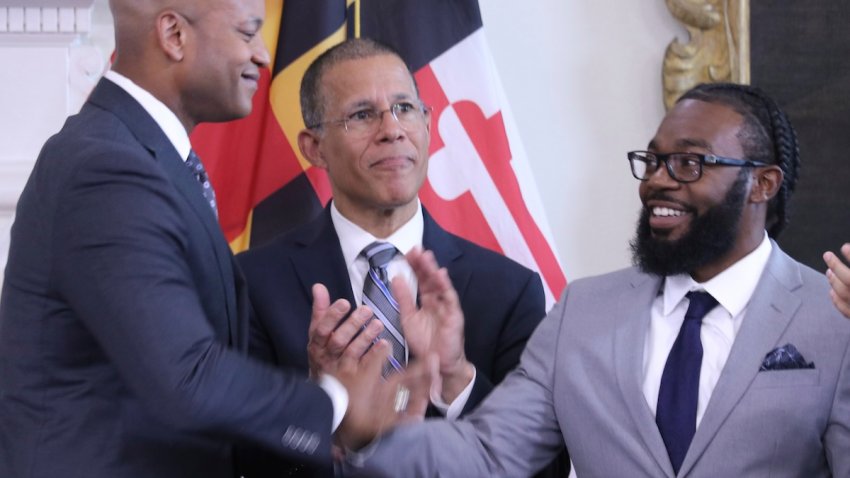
<point>376,294</point>
<point>197,169</point>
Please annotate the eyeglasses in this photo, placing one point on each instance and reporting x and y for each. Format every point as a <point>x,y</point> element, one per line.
<point>683,167</point>
<point>367,121</point>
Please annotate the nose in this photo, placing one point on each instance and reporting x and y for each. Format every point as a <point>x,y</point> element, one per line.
<point>260,55</point>
<point>389,129</point>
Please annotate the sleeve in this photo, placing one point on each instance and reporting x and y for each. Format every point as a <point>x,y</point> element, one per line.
<point>513,433</point>
<point>121,265</point>
<point>523,316</point>
<point>837,436</point>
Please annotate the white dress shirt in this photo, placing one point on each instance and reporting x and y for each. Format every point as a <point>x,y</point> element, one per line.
<point>353,239</point>
<point>732,288</point>
<point>161,114</point>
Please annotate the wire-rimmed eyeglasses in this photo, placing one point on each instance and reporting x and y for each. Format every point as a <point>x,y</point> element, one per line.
<point>683,167</point>
<point>366,121</point>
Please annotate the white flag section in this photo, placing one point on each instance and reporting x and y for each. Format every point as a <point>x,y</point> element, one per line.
<point>470,121</point>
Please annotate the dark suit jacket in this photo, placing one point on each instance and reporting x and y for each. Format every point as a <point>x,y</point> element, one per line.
<point>502,301</point>
<point>123,325</point>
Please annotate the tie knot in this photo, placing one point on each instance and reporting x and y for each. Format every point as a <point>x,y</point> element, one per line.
<point>379,254</point>
<point>701,302</point>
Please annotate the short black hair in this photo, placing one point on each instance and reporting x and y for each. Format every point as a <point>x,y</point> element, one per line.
<point>312,103</point>
<point>766,135</point>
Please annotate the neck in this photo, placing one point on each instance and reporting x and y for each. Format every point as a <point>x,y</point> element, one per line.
<point>157,87</point>
<point>744,246</point>
<point>380,222</point>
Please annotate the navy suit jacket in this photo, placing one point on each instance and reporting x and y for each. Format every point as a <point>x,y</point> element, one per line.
<point>502,301</point>
<point>123,319</point>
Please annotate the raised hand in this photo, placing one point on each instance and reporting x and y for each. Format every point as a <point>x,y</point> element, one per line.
<point>839,278</point>
<point>331,338</point>
<point>437,326</point>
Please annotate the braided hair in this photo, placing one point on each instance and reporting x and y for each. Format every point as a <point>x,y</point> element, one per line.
<point>766,135</point>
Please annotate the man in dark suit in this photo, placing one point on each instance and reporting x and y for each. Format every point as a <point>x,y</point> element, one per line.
<point>367,127</point>
<point>123,320</point>
<point>718,355</point>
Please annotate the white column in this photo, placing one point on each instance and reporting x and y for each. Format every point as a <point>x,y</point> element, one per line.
<point>48,65</point>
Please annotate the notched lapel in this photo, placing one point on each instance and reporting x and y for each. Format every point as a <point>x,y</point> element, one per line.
<point>189,188</point>
<point>769,312</point>
<point>111,97</point>
<point>446,251</point>
<point>628,351</point>
<point>320,260</point>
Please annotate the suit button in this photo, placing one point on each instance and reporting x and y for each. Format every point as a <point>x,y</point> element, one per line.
<point>291,437</point>
<point>312,444</point>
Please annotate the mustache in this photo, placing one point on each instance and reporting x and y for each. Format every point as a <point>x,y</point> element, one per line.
<point>662,196</point>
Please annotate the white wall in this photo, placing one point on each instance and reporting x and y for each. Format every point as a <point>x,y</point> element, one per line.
<point>583,79</point>
<point>584,82</point>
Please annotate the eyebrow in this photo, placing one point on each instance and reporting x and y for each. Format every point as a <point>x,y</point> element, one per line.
<point>685,143</point>
<point>254,22</point>
<point>371,104</point>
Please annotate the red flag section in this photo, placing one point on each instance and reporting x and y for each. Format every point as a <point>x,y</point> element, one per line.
<point>478,183</point>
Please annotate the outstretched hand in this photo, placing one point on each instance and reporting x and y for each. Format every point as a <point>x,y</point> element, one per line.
<point>839,278</point>
<point>437,326</point>
<point>377,404</point>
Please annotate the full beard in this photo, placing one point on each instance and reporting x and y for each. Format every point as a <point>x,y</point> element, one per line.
<point>710,236</point>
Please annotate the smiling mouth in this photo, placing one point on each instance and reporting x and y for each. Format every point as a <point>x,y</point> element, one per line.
<point>666,212</point>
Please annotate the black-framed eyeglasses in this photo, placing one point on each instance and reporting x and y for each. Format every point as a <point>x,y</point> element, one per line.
<point>683,167</point>
<point>366,121</point>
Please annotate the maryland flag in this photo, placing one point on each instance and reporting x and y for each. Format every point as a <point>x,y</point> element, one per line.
<point>479,185</point>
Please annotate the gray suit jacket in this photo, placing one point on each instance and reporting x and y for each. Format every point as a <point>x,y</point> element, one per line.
<point>579,382</point>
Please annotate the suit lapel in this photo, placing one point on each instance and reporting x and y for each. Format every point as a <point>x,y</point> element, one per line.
<point>320,260</point>
<point>446,251</point>
<point>769,312</point>
<point>628,349</point>
<point>109,96</point>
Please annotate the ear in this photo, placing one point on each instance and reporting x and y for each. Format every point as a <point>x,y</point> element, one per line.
<point>308,143</point>
<point>767,181</point>
<point>171,34</point>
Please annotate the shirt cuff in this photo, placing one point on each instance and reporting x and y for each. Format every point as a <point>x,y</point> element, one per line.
<point>452,411</point>
<point>339,397</point>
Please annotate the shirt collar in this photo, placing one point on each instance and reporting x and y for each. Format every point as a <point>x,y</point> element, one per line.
<point>732,288</point>
<point>353,238</point>
<point>164,117</point>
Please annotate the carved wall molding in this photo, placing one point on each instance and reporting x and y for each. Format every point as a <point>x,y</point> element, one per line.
<point>718,49</point>
<point>51,22</point>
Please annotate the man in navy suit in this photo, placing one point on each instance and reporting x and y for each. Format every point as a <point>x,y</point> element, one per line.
<point>123,320</point>
<point>367,127</point>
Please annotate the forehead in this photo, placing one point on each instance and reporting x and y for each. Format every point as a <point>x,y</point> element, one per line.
<point>234,11</point>
<point>695,123</point>
<point>366,80</point>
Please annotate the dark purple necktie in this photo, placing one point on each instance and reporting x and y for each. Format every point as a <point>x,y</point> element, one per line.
<point>676,414</point>
<point>194,164</point>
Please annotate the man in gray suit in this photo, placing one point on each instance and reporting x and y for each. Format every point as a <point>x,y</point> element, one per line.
<point>629,374</point>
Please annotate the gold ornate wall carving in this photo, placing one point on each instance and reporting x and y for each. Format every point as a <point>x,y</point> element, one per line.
<point>718,50</point>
